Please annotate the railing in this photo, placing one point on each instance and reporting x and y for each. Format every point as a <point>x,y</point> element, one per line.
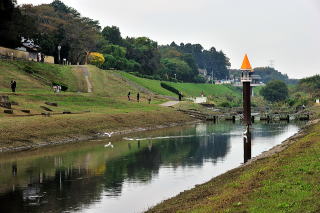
<point>246,79</point>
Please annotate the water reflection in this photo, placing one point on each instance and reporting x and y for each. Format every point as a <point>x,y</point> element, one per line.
<point>90,177</point>
<point>247,145</point>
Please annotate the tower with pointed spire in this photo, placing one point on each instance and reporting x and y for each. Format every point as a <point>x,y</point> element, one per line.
<point>246,71</point>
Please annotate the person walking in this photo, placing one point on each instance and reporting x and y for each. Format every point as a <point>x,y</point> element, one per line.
<point>149,99</point>
<point>180,96</point>
<point>138,97</point>
<point>13,85</point>
<point>129,96</point>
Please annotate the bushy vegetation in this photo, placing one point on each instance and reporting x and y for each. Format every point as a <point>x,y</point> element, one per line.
<point>96,59</point>
<point>170,88</point>
<point>275,91</point>
<point>310,85</point>
<point>215,62</point>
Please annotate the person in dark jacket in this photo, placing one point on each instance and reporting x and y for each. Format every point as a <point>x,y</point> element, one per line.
<point>180,96</point>
<point>13,85</point>
<point>138,97</point>
<point>129,96</point>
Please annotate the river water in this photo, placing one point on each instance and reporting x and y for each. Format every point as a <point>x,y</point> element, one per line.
<point>131,175</point>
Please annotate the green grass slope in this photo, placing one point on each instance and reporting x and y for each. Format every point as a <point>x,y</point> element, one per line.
<point>223,95</point>
<point>195,90</point>
<point>152,85</point>
<point>188,89</point>
<point>34,87</point>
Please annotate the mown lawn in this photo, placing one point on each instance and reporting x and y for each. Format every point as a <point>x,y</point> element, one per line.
<point>195,90</point>
<point>152,85</point>
<point>220,93</point>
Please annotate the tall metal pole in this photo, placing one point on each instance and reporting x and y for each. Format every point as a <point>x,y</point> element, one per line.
<point>59,48</point>
<point>211,76</point>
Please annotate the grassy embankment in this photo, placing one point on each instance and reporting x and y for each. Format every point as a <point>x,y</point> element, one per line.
<point>108,105</point>
<point>287,181</point>
<point>109,91</point>
<point>218,94</point>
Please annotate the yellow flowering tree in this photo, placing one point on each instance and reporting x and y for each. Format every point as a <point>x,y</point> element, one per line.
<point>96,59</point>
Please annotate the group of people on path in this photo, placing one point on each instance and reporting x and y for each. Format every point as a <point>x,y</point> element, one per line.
<point>138,97</point>
<point>56,88</point>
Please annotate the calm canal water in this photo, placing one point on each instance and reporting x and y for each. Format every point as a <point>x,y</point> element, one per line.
<point>138,172</point>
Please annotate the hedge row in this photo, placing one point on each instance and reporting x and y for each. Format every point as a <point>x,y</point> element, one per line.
<point>170,88</point>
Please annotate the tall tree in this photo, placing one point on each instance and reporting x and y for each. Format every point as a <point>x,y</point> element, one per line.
<point>14,24</point>
<point>275,91</point>
<point>145,52</point>
<point>64,26</point>
<point>112,34</point>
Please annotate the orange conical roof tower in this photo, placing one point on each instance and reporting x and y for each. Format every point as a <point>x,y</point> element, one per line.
<point>246,64</point>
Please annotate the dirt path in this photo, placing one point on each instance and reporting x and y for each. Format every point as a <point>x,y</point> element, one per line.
<point>86,75</point>
<point>169,103</point>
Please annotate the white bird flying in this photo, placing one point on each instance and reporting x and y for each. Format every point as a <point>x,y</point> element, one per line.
<point>109,134</point>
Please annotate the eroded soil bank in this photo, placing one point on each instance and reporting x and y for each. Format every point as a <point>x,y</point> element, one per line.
<point>22,133</point>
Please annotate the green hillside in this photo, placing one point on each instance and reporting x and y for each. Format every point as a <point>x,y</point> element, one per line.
<point>218,94</point>
<point>210,90</point>
<point>152,85</point>
<point>34,87</point>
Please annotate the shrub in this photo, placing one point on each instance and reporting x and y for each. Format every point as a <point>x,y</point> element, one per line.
<point>225,104</point>
<point>170,88</point>
<point>96,59</point>
<point>275,91</point>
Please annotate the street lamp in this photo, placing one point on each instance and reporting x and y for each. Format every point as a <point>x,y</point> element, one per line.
<point>59,48</point>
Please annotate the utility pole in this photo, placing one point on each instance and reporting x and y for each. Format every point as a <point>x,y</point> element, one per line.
<point>211,75</point>
<point>59,49</point>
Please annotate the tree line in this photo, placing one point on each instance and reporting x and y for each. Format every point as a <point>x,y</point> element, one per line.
<point>56,24</point>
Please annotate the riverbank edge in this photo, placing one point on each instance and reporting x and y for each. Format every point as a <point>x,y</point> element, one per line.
<point>172,204</point>
<point>148,124</point>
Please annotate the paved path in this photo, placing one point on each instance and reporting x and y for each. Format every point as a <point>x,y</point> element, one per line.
<point>169,103</point>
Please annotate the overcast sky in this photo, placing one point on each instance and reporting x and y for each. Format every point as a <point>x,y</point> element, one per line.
<point>285,31</point>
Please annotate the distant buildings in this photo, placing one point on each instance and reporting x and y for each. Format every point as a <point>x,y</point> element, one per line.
<point>28,51</point>
<point>233,80</point>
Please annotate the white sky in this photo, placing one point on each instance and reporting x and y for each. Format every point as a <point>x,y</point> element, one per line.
<point>286,31</point>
